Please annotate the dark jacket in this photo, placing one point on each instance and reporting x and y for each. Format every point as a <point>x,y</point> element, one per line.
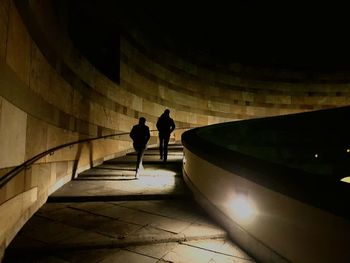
<point>165,125</point>
<point>140,135</point>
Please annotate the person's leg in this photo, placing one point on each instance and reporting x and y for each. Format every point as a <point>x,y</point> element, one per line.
<point>161,149</point>
<point>136,148</point>
<point>140,153</point>
<point>137,163</point>
<point>138,159</point>
<point>166,142</point>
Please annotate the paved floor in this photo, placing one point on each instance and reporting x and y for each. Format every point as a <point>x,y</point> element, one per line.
<point>108,216</point>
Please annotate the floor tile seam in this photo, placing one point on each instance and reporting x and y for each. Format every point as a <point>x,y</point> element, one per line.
<point>82,230</point>
<point>87,173</point>
<point>110,174</point>
<point>110,167</point>
<point>152,213</point>
<point>217,252</point>
<point>112,243</point>
<point>149,225</point>
<point>168,231</point>
<point>43,216</point>
<point>109,171</point>
<point>156,151</point>
<point>187,221</point>
<point>55,209</point>
<point>122,197</point>
<point>171,163</point>
<point>106,216</point>
<point>34,239</point>
<point>88,176</point>
<point>162,257</point>
<point>147,153</point>
<point>47,243</point>
<point>168,217</point>
<point>204,237</point>
<point>55,221</point>
<point>104,257</point>
<point>95,230</point>
<point>132,209</point>
<point>81,210</point>
<point>139,253</point>
<point>107,178</point>
<point>116,178</point>
<point>174,157</point>
<point>119,219</point>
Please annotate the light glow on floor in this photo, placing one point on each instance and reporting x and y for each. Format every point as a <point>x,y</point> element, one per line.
<point>158,178</point>
<point>158,172</point>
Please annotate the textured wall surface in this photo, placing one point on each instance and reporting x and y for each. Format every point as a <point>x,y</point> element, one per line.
<point>202,96</point>
<point>44,104</point>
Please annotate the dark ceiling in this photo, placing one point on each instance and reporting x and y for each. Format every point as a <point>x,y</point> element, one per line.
<point>303,38</point>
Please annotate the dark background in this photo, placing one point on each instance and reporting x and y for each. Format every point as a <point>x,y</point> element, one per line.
<point>305,38</point>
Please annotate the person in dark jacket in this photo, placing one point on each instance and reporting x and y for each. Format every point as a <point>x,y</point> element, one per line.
<point>140,135</point>
<point>165,126</point>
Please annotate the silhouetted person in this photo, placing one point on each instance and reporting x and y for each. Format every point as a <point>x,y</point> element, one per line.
<point>140,136</point>
<point>165,126</point>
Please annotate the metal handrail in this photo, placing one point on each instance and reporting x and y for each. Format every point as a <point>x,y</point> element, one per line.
<point>12,173</point>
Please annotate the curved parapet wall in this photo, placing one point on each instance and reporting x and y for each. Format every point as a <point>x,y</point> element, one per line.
<point>274,183</point>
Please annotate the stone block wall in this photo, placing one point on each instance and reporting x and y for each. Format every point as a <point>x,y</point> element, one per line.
<point>201,96</point>
<point>44,104</point>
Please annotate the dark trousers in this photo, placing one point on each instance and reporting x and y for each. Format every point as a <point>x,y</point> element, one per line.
<point>163,145</point>
<point>140,150</point>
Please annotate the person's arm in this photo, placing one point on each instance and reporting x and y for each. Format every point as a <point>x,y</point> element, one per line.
<point>132,133</point>
<point>158,124</point>
<point>172,126</point>
<point>148,135</point>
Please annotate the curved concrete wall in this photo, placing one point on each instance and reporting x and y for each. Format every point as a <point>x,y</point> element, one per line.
<point>204,96</point>
<point>279,228</point>
<point>275,214</point>
<point>46,102</point>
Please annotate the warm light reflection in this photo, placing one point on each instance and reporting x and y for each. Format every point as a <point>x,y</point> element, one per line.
<point>346,179</point>
<point>158,172</point>
<point>348,150</point>
<point>316,155</point>
<point>242,208</point>
<point>158,178</point>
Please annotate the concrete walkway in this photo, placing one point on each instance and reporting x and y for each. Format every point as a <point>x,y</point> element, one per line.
<point>106,215</point>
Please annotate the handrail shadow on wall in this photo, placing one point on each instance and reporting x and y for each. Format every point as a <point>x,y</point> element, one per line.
<point>8,176</point>
<point>12,173</point>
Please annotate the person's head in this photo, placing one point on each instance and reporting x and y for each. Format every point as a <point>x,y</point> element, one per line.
<point>167,112</point>
<point>142,120</point>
